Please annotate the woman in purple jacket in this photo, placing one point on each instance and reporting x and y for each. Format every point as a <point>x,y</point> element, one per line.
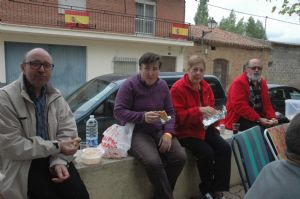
<point>153,143</point>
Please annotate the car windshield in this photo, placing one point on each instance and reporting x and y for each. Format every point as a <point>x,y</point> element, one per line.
<point>86,96</point>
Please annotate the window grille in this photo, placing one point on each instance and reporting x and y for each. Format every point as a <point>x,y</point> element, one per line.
<point>145,18</point>
<point>125,64</point>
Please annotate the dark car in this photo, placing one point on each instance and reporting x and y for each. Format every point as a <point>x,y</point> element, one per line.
<point>280,93</point>
<point>2,84</point>
<point>97,97</point>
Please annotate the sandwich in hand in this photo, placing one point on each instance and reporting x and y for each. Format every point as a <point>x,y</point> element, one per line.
<point>164,116</point>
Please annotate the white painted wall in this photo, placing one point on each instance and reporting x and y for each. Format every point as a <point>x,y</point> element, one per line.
<point>100,52</point>
<point>2,60</point>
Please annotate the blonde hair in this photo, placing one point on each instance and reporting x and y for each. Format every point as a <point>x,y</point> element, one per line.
<point>195,59</point>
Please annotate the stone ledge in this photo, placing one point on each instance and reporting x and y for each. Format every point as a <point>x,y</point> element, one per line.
<point>126,178</point>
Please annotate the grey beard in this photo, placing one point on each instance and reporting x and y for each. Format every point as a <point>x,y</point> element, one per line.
<point>254,77</point>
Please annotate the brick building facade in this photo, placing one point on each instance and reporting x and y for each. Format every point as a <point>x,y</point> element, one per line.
<point>111,36</point>
<point>226,53</point>
<point>284,67</point>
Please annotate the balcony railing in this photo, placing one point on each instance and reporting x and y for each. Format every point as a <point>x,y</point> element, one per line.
<point>36,13</point>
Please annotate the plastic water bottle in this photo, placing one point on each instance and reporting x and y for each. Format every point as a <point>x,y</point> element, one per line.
<point>92,132</point>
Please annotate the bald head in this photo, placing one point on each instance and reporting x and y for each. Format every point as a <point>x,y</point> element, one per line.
<point>36,51</point>
<point>254,62</point>
<point>37,68</point>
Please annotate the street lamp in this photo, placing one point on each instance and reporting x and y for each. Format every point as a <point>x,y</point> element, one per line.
<point>211,25</point>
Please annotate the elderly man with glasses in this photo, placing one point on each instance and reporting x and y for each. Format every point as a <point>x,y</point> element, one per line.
<point>37,131</point>
<point>248,101</point>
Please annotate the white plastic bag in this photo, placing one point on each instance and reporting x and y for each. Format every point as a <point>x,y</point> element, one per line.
<point>116,140</point>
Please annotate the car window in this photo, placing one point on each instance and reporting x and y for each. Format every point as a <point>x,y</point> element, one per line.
<point>277,94</point>
<point>85,94</point>
<point>106,109</point>
<point>295,94</point>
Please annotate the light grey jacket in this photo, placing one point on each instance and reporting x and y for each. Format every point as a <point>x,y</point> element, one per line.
<point>18,141</point>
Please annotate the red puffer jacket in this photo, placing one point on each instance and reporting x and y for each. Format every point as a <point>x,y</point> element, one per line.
<point>238,102</point>
<point>186,102</point>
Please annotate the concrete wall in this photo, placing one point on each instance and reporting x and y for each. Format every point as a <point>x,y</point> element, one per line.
<point>285,64</point>
<point>100,53</point>
<point>126,178</point>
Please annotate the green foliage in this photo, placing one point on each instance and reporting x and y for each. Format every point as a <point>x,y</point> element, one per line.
<point>255,29</point>
<point>201,16</point>
<point>288,8</point>
<point>250,28</point>
<point>240,27</point>
<point>229,24</point>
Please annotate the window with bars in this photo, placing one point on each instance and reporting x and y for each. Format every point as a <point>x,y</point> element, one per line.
<point>145,17</point>
<point>125,64</point>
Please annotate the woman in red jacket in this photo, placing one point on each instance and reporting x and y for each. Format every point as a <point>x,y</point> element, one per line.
<point>193,100</point>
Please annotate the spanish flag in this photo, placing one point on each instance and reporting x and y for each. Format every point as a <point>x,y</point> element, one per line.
<point>77,18</point>
<point>180,31</point>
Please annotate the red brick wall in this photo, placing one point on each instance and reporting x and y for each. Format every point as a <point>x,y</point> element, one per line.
<point>105,15</point>
<point>113,5</point>
<point>171,9</point>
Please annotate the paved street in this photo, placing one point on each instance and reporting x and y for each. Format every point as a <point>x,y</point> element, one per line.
<point>236,192</point>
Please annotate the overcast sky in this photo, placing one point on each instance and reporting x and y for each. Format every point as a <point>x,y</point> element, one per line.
<point>276,30</point>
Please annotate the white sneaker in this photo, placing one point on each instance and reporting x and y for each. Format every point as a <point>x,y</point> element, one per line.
<point>208,196</point>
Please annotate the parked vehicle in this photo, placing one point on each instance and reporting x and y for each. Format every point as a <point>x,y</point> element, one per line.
<point>280,93</point>
<point>2,84</point>
<point>97,97</point>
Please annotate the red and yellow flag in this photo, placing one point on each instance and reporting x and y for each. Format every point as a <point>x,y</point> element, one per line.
<point>77,18</point>
<point>180,31</point>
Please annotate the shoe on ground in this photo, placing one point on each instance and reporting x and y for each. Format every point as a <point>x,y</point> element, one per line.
<point>221,196</point>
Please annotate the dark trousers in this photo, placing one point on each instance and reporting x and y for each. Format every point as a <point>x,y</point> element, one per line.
<point>162,169</point>
<point>213,160</point>
<point>40,184</point>
<point>246,124</point>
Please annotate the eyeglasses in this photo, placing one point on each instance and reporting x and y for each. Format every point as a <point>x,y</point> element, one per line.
<point>256,68</point>
<point>36,65</point>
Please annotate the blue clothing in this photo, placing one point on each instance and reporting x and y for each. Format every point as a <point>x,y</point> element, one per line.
<point>134,98</point>
<point>40,105</point>
<point>277,180</point>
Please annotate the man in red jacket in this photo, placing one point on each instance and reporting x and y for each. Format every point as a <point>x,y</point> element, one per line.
<point>248,101</point>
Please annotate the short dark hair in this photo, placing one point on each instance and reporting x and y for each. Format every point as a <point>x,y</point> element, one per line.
<point>150,58</point>
<point>292,138</point>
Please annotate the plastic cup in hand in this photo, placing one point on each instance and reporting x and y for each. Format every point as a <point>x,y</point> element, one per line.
<point>235,128</point>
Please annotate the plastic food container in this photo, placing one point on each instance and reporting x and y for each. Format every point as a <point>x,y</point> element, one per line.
<point>91,156</point>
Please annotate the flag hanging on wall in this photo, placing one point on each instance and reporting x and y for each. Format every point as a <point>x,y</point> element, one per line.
<point>77,18</point>
<point>180,31</point>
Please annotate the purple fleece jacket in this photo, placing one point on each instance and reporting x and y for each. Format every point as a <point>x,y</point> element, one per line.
<point>134,98</point>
